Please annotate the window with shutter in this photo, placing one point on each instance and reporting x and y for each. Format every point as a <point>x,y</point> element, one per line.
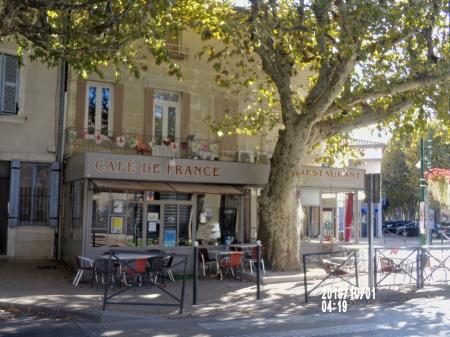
<point>9,87</point>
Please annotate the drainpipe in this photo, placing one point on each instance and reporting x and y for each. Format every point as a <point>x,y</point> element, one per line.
<point>60,148</point>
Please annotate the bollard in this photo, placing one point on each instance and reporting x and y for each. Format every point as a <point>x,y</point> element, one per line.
<point>194,281</point>
<point>258,266</point>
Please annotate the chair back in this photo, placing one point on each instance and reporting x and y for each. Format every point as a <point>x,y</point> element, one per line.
<point>77,261</point>
<point>156,263</point>
<point>101,267</point>
<point>235,259</point>
<point>203,254</point>
<point>168,261</point>
<point>139,266</point>
<point>254,250</point>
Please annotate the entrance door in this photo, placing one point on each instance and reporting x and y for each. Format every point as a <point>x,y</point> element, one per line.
<point>4,198</point>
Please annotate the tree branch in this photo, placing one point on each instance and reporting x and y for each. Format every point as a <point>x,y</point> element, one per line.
<point>393,89</point>
<point>369,115</point>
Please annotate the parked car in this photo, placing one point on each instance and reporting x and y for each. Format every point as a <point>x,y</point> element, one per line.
<point>441,230</point>
<point>409,229</point>
<point>394,226</point>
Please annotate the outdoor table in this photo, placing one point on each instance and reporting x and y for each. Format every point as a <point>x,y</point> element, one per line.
<point>131,256</point>
<point>243,245</point>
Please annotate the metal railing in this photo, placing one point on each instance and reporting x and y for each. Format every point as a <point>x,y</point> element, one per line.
<point>141,280</point>
<point>392,236</point>
<point>89,140</point>
<point>415,266</point>
<point>338,265</point>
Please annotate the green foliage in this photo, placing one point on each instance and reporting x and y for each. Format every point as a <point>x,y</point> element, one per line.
<point>399,172</point>
<point>91,35</point>
<point>400,46</point>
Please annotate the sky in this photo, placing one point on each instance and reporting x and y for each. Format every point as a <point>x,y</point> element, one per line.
<point>371,133</point>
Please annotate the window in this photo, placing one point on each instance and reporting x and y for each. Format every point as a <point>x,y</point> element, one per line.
<point>98,120</point>
<point>33,196</point>
<point>166,116</point>
<point>9,84</point>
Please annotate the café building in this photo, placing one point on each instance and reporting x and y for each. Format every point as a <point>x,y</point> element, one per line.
<point>144,202</point>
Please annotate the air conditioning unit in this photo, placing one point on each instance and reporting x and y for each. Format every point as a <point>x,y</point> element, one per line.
<point>262,158</point>
<point>246,156</point>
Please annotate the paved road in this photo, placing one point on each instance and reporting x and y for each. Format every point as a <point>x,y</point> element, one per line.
<point>418,317</point>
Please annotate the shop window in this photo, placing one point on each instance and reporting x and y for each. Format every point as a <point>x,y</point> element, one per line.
<point>116,219</point>
<point>33,196</point>
<point>99,112</point>
<point>73,213</point>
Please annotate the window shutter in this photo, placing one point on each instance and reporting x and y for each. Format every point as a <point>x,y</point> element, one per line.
<point>185,115</point>
<point>10,80</point>
<point>118,109</point>
<point>148,113</point>
<point>14,189</point>
<point>80,109</point>
<point>53,201</point>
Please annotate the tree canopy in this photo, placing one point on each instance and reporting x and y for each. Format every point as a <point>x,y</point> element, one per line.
<point>400,176</point>
<point>90,34</point>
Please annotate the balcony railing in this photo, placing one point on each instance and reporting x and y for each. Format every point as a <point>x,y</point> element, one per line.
<point>84,140</point>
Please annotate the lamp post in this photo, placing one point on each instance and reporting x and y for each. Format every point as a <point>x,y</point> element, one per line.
<point>422,191</point>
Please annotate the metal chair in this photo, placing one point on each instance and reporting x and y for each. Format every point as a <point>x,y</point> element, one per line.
<point>167,267</point>
<point>83,265</point>
<point>156,267</point>
<point>103,271</point>
<point>252,260</point>
<point>230,264</point>
<point>203,256</point>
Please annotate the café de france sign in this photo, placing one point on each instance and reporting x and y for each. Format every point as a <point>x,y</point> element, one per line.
<point>147,168</point>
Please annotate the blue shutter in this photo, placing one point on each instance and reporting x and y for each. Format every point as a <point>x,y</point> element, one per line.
<point>53,201</point>
<point>14,190</point>
<point>10,81</point>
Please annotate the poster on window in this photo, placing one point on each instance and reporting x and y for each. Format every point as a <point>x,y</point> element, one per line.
<point>152,216</point>
<point>118,206</point>
<point>170,237</point>
<point>116,224</point>
<point>152,226</point>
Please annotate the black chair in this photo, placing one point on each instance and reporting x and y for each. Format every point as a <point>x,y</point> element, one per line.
<point>167,267</point>
<point>156,267</point>
<point>103,271</point>
<point>83,265</point>
<point>203,256</point>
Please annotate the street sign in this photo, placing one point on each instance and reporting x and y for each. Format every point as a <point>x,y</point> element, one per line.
<point>422,218</point>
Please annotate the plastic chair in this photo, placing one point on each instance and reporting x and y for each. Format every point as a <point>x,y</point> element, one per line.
<point>230,263</point>
<point>251,260</point>
<point>134,273</point>
<point>83,264</point>
<point>203,256</point>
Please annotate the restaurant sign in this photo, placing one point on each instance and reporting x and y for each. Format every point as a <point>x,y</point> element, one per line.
<point>315,176</point>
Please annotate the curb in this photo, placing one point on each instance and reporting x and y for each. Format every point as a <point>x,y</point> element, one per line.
<point>59,312</point>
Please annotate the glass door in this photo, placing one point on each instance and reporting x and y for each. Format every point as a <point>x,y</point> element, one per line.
<point>153,224</point>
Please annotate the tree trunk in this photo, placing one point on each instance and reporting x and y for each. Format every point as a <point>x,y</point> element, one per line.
<point>278,205</point>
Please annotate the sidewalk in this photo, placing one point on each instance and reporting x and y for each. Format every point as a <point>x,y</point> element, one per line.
<point>46,287</point>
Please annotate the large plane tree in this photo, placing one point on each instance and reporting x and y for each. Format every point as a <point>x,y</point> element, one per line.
<point>331,66</point>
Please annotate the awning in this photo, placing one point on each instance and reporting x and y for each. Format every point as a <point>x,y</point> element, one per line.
<point>122,185</point>
<point>205,189</point>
